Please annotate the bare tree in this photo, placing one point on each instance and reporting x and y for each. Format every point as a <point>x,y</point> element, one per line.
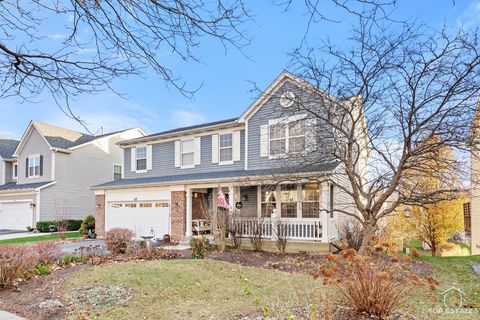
<point>61,216</point>
<point>105,39</point>
<point>387,103</point>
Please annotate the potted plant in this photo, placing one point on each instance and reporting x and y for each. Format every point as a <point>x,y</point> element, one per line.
<point>87,229</point>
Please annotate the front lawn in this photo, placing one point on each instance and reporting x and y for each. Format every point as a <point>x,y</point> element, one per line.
<point>195,289</point>
<point>40,237</point>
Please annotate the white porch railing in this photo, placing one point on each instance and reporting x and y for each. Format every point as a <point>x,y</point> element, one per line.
<point>294,229</point>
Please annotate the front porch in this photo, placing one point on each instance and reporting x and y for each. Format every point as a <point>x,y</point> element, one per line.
<point>303,211</point>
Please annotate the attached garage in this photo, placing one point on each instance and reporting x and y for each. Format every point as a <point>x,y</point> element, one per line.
<point>16,215</point>
<point>143,213</point>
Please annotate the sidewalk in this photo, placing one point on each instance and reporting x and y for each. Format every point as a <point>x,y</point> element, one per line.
<point>8,316</point>
<point>9,236</point>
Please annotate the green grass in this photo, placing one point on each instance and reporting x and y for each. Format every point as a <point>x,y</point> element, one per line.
<point>194,289</point>
<point>454,272</point>
<point>45,237</point>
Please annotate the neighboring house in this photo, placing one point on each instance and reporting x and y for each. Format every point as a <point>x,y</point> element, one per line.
<point>48,173</point>
<point>167,174</point>
<point>473,207</point>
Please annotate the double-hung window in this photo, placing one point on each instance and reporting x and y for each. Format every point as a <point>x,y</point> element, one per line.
<point>188,153</point>
<point>289,201</point>
<point>15,171</point>
<point>268,200</point>
<point>277,139</point>
<point>117,172</point>
<point>287,137</point>
<point>34,166</point>
<point>141,158</point>
<point>226,147</point>
<point>310,200</point>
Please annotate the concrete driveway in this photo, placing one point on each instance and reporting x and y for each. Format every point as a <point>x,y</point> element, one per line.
<point>12,234</point>
<point>7,231</point>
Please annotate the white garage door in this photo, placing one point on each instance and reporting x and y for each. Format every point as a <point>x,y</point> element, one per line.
<point>15,215</point>
<point>143,217</point>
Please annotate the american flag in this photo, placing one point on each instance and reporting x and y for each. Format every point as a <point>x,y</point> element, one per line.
<point>221,200</point>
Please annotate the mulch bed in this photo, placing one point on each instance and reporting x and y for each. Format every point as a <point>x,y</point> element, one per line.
<point>294,263</point>
<point>24,301</point>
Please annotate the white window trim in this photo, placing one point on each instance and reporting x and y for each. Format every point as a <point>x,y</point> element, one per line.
<point>146,159</point>
<point>188,166</point>
<point>33,156</point>
<point>15,177</point>
<point>286,121</point>
<point>228,162</point>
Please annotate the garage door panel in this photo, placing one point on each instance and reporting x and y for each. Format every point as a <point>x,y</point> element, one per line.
<point>151,216</point>
<point>15,215</point>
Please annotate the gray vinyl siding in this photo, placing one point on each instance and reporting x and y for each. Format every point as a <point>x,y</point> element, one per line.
<point>163,159</point>
<point>75,174</point>
<point>272,109</point>
<point>35,144</point>
<point>8,171</point>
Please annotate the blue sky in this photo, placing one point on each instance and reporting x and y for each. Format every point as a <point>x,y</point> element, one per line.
<point>226,76</point>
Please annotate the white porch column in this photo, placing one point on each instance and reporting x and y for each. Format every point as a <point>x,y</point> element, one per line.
<point>232,198</point>
<point>324,211</point>
<point>188,227</point>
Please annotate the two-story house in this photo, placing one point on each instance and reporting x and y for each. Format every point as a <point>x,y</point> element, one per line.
<point>255,159</point>
<point>48,173</point>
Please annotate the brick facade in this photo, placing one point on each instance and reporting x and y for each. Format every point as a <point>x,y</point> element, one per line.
<point>179,213</point>
<point>100,215</point>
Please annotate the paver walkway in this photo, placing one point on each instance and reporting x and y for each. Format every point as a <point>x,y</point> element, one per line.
<point>476,269</point>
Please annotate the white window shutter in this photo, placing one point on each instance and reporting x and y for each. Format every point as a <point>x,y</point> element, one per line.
<point>214,148</point>
<point>177,154</point>
<point>264,140</point>
<point>236,145</point>
<point>149,157</point>
<point>133,159</point>
<point>198,151</point>
<point>311,134</point>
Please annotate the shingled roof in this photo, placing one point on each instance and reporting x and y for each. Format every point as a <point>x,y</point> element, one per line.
<point>60,137</point>
<point>7,147</point>
<point>218,175</point>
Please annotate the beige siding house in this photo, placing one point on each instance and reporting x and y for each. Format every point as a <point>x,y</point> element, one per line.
<point>475,203</point>
<point>50,171</point>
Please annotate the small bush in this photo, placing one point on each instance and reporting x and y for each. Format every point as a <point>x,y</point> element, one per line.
<point>15,261</point>
<point>88,223</point>
<point>68,260</point>
<point>48,252</point>
<point>71,225</point>
<point>200,247</point>
<point>376,284</point>
<point>118,240</point>
<point>42,269</point>
<point>257,236</point>
<point>281,236</point>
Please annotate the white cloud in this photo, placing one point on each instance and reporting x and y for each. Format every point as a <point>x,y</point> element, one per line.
<point>471,16</point>
<point>56,36</point>
<point>184,118</point>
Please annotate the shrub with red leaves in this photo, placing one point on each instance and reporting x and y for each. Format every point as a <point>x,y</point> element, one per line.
<point>15,261</point>
<point>376,283</point>
<point>48,252</point>
<point>118,240</point>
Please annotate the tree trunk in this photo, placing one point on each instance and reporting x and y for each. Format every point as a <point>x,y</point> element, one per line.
<point>433,247</point>
<point>367,235</point>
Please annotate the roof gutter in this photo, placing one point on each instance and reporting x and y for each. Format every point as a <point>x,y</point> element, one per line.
<point>179,133</point>
<point>253,179</point>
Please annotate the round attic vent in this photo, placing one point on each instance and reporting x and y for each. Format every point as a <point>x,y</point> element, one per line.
<point>287,99</point>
